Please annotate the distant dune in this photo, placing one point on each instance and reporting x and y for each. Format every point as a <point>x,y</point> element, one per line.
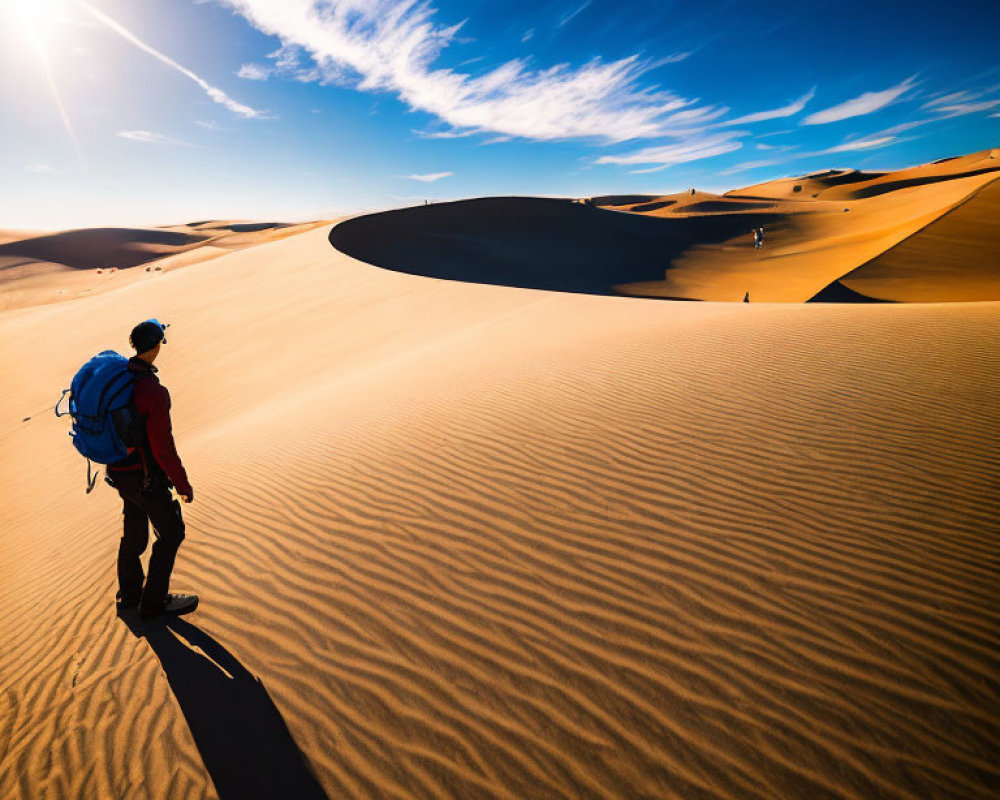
<point>819,229</point>
<point>99,256</point>
<point>101,247</point>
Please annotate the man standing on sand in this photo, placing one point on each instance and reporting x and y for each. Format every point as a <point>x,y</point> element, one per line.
<point>143,479</point>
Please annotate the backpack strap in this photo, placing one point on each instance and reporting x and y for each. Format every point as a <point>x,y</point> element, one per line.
<point>138,426</point>
<point>59,403</point>
<point>91,481</point>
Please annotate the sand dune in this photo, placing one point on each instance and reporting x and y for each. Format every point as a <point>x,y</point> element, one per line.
<point>613,200</point>
<point>235,235</point>
<point>698,246</point>
<point>530,242</point>
<point>698,203</point>
<point>9,235</point>
<point>812,185</point>
<point>956,257</point>
<point>105,258</point>
<point>102,247</point>
<point>810,243</point>
<point>850,184</point>
<point>478,541</point>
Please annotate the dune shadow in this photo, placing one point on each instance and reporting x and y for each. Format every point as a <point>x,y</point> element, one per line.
<point>254,227</point>
<point>837,292</point>
<point>243,739</point>
<point>88,248</point>
<point>534,242</point>
<point>905,183</point>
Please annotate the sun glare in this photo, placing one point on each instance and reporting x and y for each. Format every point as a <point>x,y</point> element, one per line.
<point>36,20</point>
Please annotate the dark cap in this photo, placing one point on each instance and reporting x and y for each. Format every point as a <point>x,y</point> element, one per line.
<point>146,335</point>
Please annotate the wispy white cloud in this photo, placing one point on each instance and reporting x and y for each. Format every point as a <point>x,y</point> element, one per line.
<point>528,35</point>
<point>861,144</point>
<point>254,72</point>
<point>445,134</point>
<point>773,150</point>
<point>214,93</point>
<point>748,165</point>
<point>648,170</point>
<point>663,156</point>
<point>148,137</point>
<point>288,63</point>
<point>567,18</point>
<point>903,127</point>
<point>674,58</point>
<point>208,124</point>
<point>954,97</point>
<point>867,103</point>
<point>961,99</point>
<point>391,46</point>
<point>430,177</point>
<point>959,109</point>
<point>775,113</point>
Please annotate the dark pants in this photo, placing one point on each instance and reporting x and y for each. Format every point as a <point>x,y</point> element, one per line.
<point>139,509</point>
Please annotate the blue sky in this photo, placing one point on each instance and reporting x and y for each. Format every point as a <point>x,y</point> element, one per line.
<point>143,112</point>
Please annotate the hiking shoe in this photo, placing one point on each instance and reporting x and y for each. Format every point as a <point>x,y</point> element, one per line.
<point>172,604</point>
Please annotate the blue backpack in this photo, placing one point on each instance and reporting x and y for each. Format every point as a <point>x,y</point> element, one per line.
<point>99,399</point>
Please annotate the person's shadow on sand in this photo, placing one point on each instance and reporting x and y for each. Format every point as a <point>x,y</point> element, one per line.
<point>242,737</point>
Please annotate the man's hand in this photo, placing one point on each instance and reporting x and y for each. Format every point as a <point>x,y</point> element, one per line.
<point>187,498</point>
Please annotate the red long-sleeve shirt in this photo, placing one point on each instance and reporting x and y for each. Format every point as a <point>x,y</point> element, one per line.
<point>152,401</point>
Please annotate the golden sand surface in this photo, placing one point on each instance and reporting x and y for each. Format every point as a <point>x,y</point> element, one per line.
<point>470,541</point>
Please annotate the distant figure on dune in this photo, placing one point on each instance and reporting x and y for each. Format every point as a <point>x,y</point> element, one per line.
<point>143,479</point>
<point>746,297</point>
<point>758,238</point>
